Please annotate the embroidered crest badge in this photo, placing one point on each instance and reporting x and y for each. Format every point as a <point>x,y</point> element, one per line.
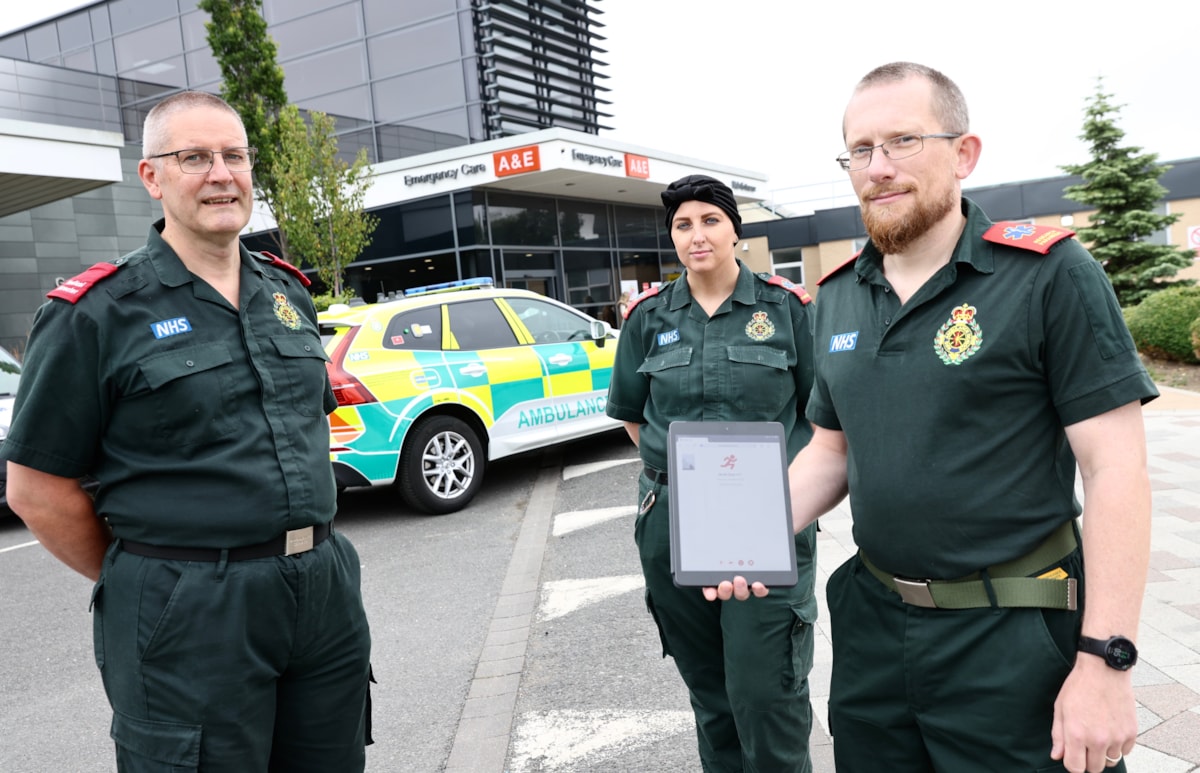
<point>959,337</point>
<point>759,328</point>
<point>285,313</point>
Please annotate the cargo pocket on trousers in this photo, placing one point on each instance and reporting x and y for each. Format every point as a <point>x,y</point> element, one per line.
<point>654,614</point>
<point>147,746</point>
<point>802,641</point>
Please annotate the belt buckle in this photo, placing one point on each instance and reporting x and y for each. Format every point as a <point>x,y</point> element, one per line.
<point>298,541</point>
<point>915,592</point>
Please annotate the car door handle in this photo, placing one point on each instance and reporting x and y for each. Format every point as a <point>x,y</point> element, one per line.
<point>559,359</point>
<point>475,369</point>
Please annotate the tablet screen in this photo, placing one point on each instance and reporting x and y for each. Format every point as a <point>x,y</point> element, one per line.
<point>730,507</point>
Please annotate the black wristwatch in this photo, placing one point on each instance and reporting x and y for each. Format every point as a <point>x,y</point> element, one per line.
<point>1118,652</point>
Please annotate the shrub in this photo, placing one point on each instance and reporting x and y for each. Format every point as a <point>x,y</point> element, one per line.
<point>1196,338</point>
<point>325,300</point>
<point>1162,324</point>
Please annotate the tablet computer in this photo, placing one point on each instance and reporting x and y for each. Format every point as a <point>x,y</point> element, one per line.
<point>730,505</point>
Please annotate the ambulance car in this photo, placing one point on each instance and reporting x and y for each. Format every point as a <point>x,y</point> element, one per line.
<point>433,386</point>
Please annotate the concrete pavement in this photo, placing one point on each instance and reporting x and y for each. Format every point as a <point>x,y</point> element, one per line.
<point>1167,677</point>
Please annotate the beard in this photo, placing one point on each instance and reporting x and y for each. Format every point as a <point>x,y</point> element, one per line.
<point>892,232</point>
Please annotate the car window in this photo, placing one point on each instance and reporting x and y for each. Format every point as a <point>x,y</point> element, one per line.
<point>418,329</point>
<point>10,372</point>
<point>480,325</point>
<point>549,323</point>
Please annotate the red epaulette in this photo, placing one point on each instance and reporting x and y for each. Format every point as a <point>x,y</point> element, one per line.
<point>791,287</point>
<point>1036,238</point>
<point>839,267</point>
<point>77,286</point>
<point>279,262</point>
<point>635,300</point>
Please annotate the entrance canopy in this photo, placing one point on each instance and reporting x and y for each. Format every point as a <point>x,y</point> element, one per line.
<point>41,163</point>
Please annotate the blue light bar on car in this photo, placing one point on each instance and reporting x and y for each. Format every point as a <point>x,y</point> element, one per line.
<point>474,283</point>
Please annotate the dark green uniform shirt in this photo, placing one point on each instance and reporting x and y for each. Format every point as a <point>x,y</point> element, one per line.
<point>954,404</point>
<point>752,361</point>
<point>204,424</point>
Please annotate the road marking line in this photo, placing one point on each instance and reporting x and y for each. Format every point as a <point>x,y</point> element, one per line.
<point>563,597</point>
<point>18,547</point>
<point>565,523</point>
<point>549,740</point>
<point>577,470</point>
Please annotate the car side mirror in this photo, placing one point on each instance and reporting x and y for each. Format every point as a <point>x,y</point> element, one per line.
<point>600,332</point>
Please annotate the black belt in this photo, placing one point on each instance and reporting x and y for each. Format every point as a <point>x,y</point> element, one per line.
<point>287,544</point>
<point>655,476</point>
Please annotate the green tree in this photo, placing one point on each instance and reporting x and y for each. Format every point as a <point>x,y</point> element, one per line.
<point>1121,183</point>
<point>252,83</point>
<point>319,196</point>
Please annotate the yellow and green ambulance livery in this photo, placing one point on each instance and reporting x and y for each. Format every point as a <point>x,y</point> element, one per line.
<point>433,386</point>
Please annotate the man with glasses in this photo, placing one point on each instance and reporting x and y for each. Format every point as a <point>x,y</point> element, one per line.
<point>963,370</point>
<point>188,378</point>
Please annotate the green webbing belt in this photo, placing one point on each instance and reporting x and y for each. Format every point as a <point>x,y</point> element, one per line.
<point>1009,581</point>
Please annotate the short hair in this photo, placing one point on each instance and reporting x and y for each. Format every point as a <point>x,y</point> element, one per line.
<point>949,105</point>
<point>154,130</point>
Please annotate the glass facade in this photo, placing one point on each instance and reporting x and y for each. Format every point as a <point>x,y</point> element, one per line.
<point>401,78</point>
<point>524,241</point>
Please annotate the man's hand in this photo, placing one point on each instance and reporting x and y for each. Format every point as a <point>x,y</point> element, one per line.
<point>1094,717</point>
<point>736,588</point>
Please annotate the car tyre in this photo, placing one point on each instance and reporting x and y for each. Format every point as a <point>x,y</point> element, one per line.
<point>441,465</point>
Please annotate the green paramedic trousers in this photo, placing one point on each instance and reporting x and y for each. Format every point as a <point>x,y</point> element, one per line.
<point>258,665</point>
<point>918,690</point>
<point>745,664</point>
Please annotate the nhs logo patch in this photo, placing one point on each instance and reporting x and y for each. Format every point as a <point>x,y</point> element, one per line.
<point>843,342</point>
<point>670,337</point>
<point>171,327</point>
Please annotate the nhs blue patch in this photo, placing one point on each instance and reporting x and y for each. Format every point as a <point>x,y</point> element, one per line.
<point>670,337</point>
<point>171,327</point>
<point>843,342</point>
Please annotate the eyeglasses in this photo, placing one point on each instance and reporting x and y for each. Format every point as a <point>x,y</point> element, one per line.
<point>896,148</point>
<point>200,160</point>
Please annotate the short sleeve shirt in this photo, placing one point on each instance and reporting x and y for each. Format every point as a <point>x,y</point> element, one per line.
<point>204,424</point>
<point>751,361</point>
<point>954,404</point>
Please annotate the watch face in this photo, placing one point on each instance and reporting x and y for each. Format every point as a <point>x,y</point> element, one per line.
<point>1120,653</point>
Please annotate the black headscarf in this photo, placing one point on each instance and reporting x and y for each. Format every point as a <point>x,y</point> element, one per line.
<point>700,187</point>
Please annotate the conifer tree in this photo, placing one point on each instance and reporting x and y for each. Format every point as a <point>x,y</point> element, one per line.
<point>1121,184</point>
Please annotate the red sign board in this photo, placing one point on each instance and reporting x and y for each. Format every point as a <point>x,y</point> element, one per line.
<point>637,166</point>
<point>517,161</point>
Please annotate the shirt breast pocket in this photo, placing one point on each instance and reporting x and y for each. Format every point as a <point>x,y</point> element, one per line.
<point>668,373</point>
<point>761,380</point>
<point>303,372</point>
<point>188,403</point>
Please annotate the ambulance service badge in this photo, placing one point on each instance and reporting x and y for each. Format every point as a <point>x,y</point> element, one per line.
<point>959,337</point>
<point>759,328</point>
<point>285,313</point>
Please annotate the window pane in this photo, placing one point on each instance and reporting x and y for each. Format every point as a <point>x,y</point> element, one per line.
<point>277,11</point>
<point>638,227</point>
<point>138,49</point>
<point>413,48</point>
<point>480,325</point>
<point>385,14</point>
<point>583,223</point>
<point>74,31</point>
<point>14,47</point>
<point>548,323</point>
<point>194,34</point>
<point>326,72</point>
<point>522,220</point>
<point>126,15</point>
<point>43,43</point>
<point>313,33</point>
<point>420,329</point>
<point>428,91</point>
<point>426,134</point>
